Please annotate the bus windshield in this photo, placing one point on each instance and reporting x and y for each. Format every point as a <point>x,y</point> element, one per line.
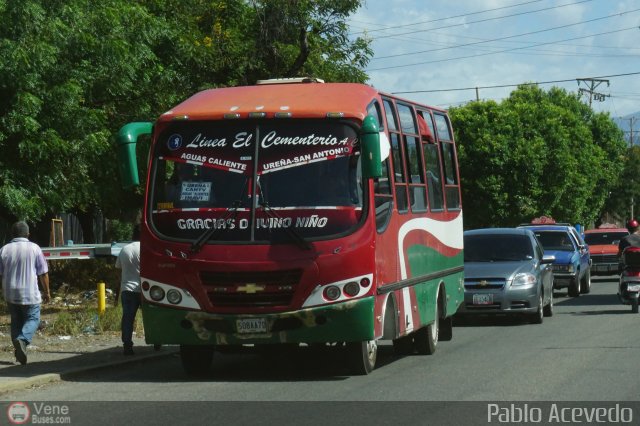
<point>304,175</point>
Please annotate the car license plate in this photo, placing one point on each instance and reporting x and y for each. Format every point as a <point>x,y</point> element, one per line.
<point>251,325</point>
<point>482,299</point>
<point>634,287</point>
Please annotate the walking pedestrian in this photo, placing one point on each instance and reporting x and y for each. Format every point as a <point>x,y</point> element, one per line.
<point>129,292</point>
<point>22,265</point>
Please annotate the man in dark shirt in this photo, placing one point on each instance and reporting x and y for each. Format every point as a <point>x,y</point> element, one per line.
<point>631,240</point>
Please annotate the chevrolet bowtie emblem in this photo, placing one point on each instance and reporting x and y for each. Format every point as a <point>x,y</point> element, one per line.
<point>250,288</point>
<point>483,283</point>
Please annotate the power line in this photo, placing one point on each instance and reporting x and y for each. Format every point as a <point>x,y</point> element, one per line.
<point>532,51</point>
<point>498,86</point>
<point>449,17</point>
<point>479,21</point>
<point>499,51</point>
<point>507,37</point>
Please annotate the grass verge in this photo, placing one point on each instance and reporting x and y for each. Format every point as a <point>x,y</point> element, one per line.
<point>87,320</point>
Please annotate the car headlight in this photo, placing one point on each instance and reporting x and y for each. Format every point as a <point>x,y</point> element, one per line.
<point>524,279</point>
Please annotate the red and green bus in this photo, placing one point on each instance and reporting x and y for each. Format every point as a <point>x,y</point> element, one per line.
<point>298,212</point>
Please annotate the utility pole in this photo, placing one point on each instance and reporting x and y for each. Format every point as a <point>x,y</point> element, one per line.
<point>592,84</point>
<point>631,119</point>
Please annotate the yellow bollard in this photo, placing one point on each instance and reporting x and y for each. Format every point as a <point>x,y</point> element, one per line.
<point>101,298</point>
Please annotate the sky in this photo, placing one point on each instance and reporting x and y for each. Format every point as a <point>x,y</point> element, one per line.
<point>438,51</point>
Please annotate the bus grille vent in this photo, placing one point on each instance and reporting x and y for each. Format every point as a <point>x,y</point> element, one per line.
<point>251,289</point>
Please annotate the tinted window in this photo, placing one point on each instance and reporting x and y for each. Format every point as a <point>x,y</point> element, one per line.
<point>407,119</point>
<point>374,111</point>
<point>556,240</point>
<point>417,192</point>
<point>497,248</point>
<point>391,116</point>
<point>434,182</point>
<point>603,238</point>
<point>443,127</point>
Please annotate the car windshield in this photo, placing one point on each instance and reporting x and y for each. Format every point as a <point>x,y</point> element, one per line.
<point>555,240</point>
<point>604,238</point>
<point>497,248</point>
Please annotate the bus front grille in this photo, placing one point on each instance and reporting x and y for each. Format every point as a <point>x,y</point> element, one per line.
<point>251,289</point>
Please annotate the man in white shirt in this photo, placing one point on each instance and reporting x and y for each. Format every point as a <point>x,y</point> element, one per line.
<point>22,265</point>
<point>129,292</point>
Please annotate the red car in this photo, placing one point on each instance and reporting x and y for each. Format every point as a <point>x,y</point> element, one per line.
<point>603,245</point>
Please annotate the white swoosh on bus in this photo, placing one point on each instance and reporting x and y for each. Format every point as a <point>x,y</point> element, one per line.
<point>447,232</point>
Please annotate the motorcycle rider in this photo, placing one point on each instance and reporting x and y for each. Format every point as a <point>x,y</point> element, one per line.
<point>631,240</point>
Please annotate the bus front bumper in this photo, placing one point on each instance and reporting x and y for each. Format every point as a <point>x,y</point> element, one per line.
<point>341,322</point>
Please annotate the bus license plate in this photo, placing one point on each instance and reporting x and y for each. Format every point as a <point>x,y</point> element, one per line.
<point>482,299</point>
<point>251,325</point>
<point>632,288</point>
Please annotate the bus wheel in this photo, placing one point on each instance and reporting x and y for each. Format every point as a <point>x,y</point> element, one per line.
<point>196,359</point>
<point>426,338</point>
<point>362,356</point>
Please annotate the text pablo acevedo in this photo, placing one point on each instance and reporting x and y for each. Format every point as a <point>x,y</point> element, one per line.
<point>557,413</point>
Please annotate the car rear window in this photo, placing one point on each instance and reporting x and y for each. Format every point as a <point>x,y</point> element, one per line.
<point>603,238</point>
<point>555,240</point>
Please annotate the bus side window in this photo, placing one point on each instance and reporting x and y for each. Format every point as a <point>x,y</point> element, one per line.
<point>374,110</point>
<point>382,194</point>
<point>400,180</point>
<point>391,115</point>
<point>413,158</point>
<point>434,181</point>
<point>452,189</point>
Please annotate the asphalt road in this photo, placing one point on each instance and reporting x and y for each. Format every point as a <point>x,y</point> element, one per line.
<point>588,351</point>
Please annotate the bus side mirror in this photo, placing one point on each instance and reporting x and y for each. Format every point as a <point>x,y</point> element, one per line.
<point>370,147</point>
<point>127,139</point>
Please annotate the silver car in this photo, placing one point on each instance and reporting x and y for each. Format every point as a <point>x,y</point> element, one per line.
<point>507,272</point>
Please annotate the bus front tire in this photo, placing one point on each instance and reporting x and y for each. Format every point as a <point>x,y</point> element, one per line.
<point>362,356</point>
<point>196,359</point>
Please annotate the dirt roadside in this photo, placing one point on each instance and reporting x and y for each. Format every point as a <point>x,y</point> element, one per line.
<point>47,340</point>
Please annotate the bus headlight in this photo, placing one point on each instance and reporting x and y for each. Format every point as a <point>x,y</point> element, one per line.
<point>174,296</point>
<point>332,293</point>
<point>156,293</point>
<point>351,289</point>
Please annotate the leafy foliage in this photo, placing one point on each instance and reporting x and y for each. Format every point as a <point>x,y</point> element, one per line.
<point>72,72</point>
<point>623,196</point>
<point>536,153</point>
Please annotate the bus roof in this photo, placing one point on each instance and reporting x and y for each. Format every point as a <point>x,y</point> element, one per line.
<point>303,100</point>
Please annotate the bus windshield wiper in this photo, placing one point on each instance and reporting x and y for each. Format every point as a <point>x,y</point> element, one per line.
<point>232,212</point>
<point>295,236</point>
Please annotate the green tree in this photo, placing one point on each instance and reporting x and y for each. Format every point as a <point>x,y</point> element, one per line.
<point>625,195</point>
<point>72,72</point>
<point>536,153</point>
